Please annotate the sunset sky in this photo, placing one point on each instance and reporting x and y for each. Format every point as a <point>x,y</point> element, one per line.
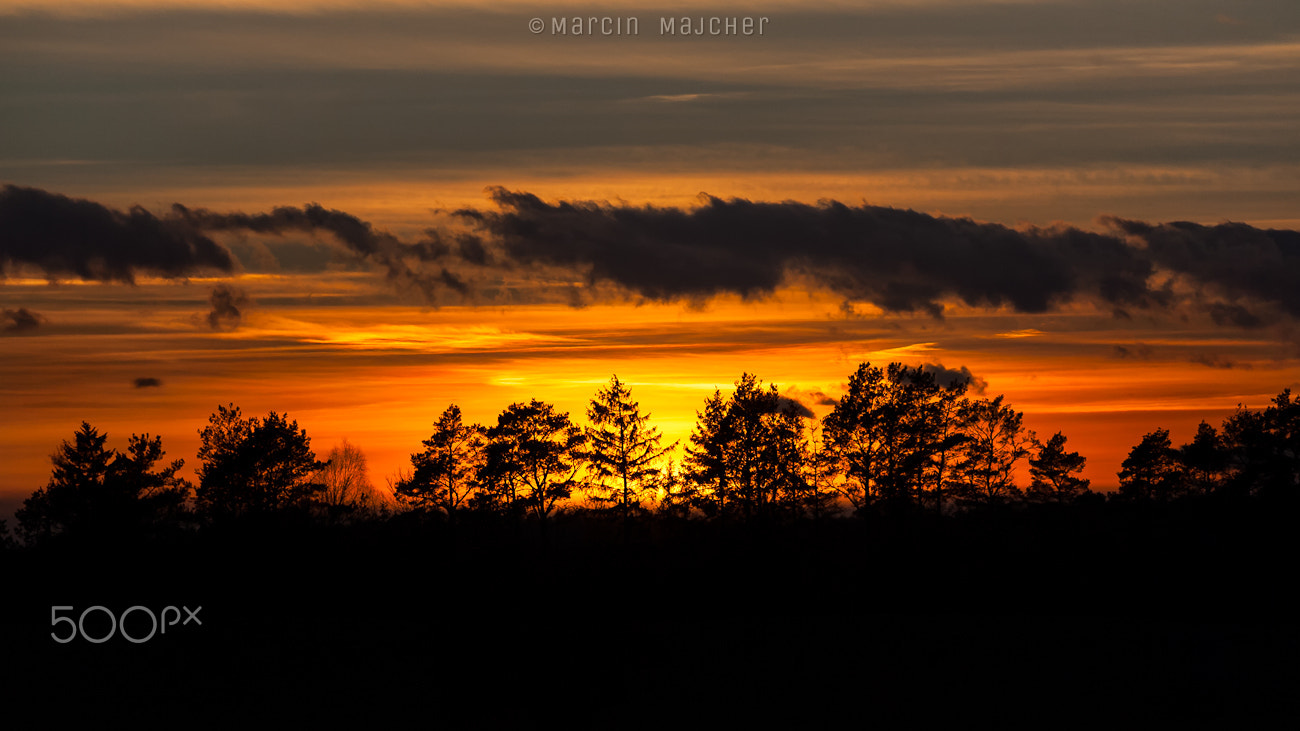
<point>386,208</point>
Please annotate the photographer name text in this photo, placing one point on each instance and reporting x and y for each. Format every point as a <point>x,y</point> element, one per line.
<point>747,25</point>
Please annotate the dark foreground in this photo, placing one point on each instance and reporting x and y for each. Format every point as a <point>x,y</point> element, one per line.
<point>1063,617</point>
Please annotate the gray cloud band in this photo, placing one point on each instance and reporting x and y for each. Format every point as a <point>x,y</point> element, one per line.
<point>899,260</point>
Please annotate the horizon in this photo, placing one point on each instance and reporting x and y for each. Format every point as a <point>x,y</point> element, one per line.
<point>504,214</point>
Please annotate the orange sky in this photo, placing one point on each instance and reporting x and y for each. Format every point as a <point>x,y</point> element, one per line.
<point>1014,113</point>
<point>380,373</point>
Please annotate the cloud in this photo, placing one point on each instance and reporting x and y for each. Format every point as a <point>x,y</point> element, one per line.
<point>901,261</point>
<point>817,397</point>
<point>226,303</point>
<point>948,376</point>
<point>1234,259</point>
<point>1216,361</point>
<point>1227,315</point>
<point>471,249</point>
<point>788,405</point>
<point>20,320</point>
<point>148,383</point>
<point>898,260</point>
<point>359,236</point>
<point>71,237</point>
<point>1137,351</point>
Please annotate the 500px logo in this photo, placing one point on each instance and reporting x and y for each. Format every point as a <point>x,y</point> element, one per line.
<point>117,623</point>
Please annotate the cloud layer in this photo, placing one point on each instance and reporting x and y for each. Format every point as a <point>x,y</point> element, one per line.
<point>71,237</point>
<point>360,238</point>
<point>899,260</point>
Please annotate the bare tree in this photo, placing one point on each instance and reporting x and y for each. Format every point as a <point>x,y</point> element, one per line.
<point>347,485</point>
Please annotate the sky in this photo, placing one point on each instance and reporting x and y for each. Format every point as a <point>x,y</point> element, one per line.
<point>359,214</point>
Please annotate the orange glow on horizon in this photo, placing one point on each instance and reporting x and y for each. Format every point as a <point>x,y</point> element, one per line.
<point>380,374</point>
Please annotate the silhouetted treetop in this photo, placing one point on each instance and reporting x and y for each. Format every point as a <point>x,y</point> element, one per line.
<point>894,436</point>
<point>534,454</point>
<point>997,442</point>
<point>254,466</point>
<point>98,491</point>
<point>1152,472</point>
<point>1264,448</point>
<point>622,450</point>
<point>1054,472</point>
<point>445,473</point>
<point>748,453</point>
<point>346,488</point>
<point>1205,459</point>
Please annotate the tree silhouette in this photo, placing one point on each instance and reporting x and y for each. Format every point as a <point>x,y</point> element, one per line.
<point>1151,472</point>
<point>946,409</point>
<point>675,496</point>
<point>621,449</point>
<point>748,452</point>
<point>853,435</point>
<point>533,456</point>
<point>908,435</point>
<point>996,441</point>
<point>750,457</point>
<point>445,472</point>
<point>345,484</point>
<point>1053,472</point>
<point>792,488</point>
<point>98,491</point>
<point>894,434</point>
<point>1205,460</point>
<point>1264,448</point>
<point>1284,418</point>
<point>706,457</point>
<point>819,501</point>
<point>254,466</point>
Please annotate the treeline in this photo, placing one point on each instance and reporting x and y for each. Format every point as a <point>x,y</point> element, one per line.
<point>897,442</point>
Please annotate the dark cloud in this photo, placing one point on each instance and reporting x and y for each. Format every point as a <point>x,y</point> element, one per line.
<point>788,405</point>
<point>948,377</point>
<point>1137,351</point>
<point>226,303</point>
<point>148,383</point>
<point>821,399</point>
<point>360,237</point>
<point>1234,259</point>
<point>357,234</point>
<point>898,260</point>
<point>1229,315</point>
<point>20,320</point>
<point>471,249</point>
<point>70,237</point>
<point>1216,361</point>
<point>902,261</point>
